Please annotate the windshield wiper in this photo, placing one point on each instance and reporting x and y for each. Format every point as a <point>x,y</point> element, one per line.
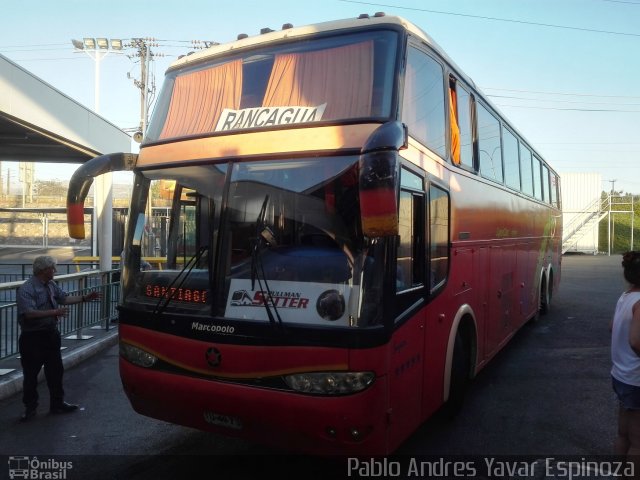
<point>184,273</point>
<point>257,241</point>
<point>263,234</point>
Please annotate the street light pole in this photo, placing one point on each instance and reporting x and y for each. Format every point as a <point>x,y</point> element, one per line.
<point>97,49</point>
<point>96,84</point>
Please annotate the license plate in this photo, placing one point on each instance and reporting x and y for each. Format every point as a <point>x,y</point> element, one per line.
<point>223,420</point>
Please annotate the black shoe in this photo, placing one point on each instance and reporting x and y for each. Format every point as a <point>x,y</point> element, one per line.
<point>28,415</point>
<point>64,407</point>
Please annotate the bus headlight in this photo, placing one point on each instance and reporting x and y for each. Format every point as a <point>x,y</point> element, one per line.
<point>137,356</point>
<point>330,383</point>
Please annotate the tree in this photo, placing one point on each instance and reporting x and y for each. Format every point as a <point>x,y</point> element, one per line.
<point>51,188</point>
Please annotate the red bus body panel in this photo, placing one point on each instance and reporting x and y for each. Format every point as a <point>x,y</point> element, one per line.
<point>291,421</point>
<point>383,414</point>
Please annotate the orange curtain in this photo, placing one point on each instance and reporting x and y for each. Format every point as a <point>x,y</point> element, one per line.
<point>341,77</point>
<point>455,128</point>
<point>198,99</point>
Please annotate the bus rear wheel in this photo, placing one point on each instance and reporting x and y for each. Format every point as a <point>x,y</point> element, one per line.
<point>543,299</point>
<point>545,296</point>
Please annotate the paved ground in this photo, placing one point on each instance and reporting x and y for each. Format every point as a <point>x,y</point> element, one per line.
<point>546,395</point>
<point>74,352</point>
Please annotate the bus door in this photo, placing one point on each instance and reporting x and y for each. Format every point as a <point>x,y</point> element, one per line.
<point>407,344</point>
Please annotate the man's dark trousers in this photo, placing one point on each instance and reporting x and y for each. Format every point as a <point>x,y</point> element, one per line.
<point>37,349</point>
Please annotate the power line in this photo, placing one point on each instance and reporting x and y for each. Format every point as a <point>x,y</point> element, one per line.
<point>560,93</point>
<point>588,143</point>
<point>48,59</point>
<point>561,101</point>
<point>485,89</point>
<point>570,109</point>
<point>4,47</point>
<point>27,48</point>
<point>497,19</point>
<point>181,44</point>
<point>622,1</point>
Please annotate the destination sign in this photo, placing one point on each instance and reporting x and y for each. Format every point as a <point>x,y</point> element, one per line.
<point>267,117</point>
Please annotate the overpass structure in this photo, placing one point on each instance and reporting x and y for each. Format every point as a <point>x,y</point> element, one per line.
<point>38,123</point>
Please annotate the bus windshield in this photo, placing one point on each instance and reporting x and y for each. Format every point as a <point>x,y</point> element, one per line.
<point>321,79</point>
<point>267,241</point>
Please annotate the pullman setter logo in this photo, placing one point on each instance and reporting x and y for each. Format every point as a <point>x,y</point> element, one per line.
<point>283,299</point>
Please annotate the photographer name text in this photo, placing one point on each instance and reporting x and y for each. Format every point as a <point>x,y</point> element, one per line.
<point>574,469</point>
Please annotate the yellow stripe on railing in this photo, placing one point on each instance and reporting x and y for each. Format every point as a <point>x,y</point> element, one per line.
<point>158,261</point>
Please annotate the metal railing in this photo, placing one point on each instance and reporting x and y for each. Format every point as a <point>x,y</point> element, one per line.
<point>582,217</point>
<point>15,272</point>
<point>81,315</point>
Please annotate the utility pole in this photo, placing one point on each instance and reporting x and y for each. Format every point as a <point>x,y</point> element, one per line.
<point>26,178</point>
<point>143,51</point>
<point>612,225</point>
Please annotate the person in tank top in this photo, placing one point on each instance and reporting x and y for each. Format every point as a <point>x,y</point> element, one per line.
<point>625,357</point>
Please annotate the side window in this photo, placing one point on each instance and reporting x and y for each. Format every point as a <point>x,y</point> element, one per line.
<point>489,148</point>
<point>438,236</point>
<point>527,170</point>
<point>554,190</point>
<point>460,113</point>
<point>537,178</point>
<point>545,184</point>
<point>511,159</point>
<point>423,102</point>
<point>410,270</point>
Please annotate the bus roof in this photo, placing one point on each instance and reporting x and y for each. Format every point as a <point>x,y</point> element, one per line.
<point>288,32</point>
<point>379,19</point>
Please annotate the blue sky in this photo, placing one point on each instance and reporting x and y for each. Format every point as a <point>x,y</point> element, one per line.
<point>565,72</point>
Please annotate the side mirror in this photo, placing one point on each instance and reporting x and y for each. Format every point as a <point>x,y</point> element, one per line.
<point>378,179</point>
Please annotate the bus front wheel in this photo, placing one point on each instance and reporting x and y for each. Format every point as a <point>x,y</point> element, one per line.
<point>459,376</point>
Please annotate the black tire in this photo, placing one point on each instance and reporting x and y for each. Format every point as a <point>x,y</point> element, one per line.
<point>545,296</point>
<point>541,303</point>
<point>459,380</point>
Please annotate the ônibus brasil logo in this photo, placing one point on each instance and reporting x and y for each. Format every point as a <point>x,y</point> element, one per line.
<point>34,468</point>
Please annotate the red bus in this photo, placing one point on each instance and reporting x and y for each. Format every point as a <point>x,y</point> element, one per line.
<point>354,232</point>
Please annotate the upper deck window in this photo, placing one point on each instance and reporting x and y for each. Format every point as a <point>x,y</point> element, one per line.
<point>526,169</point>
<point>489,145</point>
<point>324,79</point>
<point>511,151</point>
<point>461,125</point>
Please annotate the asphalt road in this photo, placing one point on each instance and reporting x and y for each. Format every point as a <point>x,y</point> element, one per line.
<point>18,259</point>
<point>547,394</point>
<point>25,254</point>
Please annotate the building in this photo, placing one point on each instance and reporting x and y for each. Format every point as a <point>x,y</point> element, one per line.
<point>581,211</point>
